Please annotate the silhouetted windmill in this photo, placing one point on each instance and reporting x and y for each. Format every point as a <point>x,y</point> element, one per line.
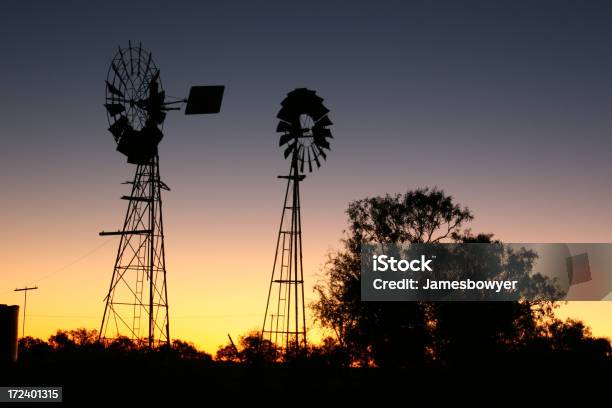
<point>304,127</point>
<point>136,107</point>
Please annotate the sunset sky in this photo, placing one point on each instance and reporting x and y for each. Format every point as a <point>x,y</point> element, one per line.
<point>505,105</point>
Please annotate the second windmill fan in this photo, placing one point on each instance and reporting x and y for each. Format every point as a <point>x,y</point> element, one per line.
<point>304,127</point>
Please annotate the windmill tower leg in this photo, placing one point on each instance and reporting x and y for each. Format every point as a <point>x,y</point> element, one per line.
<point>137,295</point>
<point>284,320</point>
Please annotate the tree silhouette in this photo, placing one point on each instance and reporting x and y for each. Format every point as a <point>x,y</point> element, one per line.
<point>251,349</point>
<point>62,341</point>
<point>468,333</point>
<point>572,336</point>
<point>387,334</point>
<point>404,334</point>
<point>34,348</point>
<point>187,351</point>
<point>83,337</point>
<point>329,353</point>
<point>122,345</point>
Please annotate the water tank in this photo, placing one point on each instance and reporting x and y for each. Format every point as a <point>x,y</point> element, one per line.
<point>9,321</point>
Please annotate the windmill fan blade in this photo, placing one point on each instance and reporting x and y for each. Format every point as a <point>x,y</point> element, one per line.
<point>320,151</point>
<point>301,155</point>
<point>321,133</point>
<point>309,162</point>
<point>318,111</point>
<point>304,96</point>
<point>283,127</point>
<point>155,76</point>
<point>303,103</point>
<point>149,59</point>
<point>113,90</point>
<point>316,157</point>
<point>285,138</point>
<point>321,143</point>
<point>312,96</point>
<point>288,114</point>
<point>139,53</point>
<point>300,91</point>
<point>324,121</point>
<point>119,127</point>
<point>320,136</point>
<point>117,73</point>
<point>289,149</point>
<point>122,59</point>
<point>295,95</point>
<point>114,108</point>
<point>131,58</point>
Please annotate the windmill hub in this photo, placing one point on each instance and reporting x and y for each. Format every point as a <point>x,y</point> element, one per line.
<point>306,123</point>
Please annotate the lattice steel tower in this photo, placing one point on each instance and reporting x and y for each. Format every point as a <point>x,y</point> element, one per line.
<point>138,295</point>
<point>304,127</point>
<point>137,301</point>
